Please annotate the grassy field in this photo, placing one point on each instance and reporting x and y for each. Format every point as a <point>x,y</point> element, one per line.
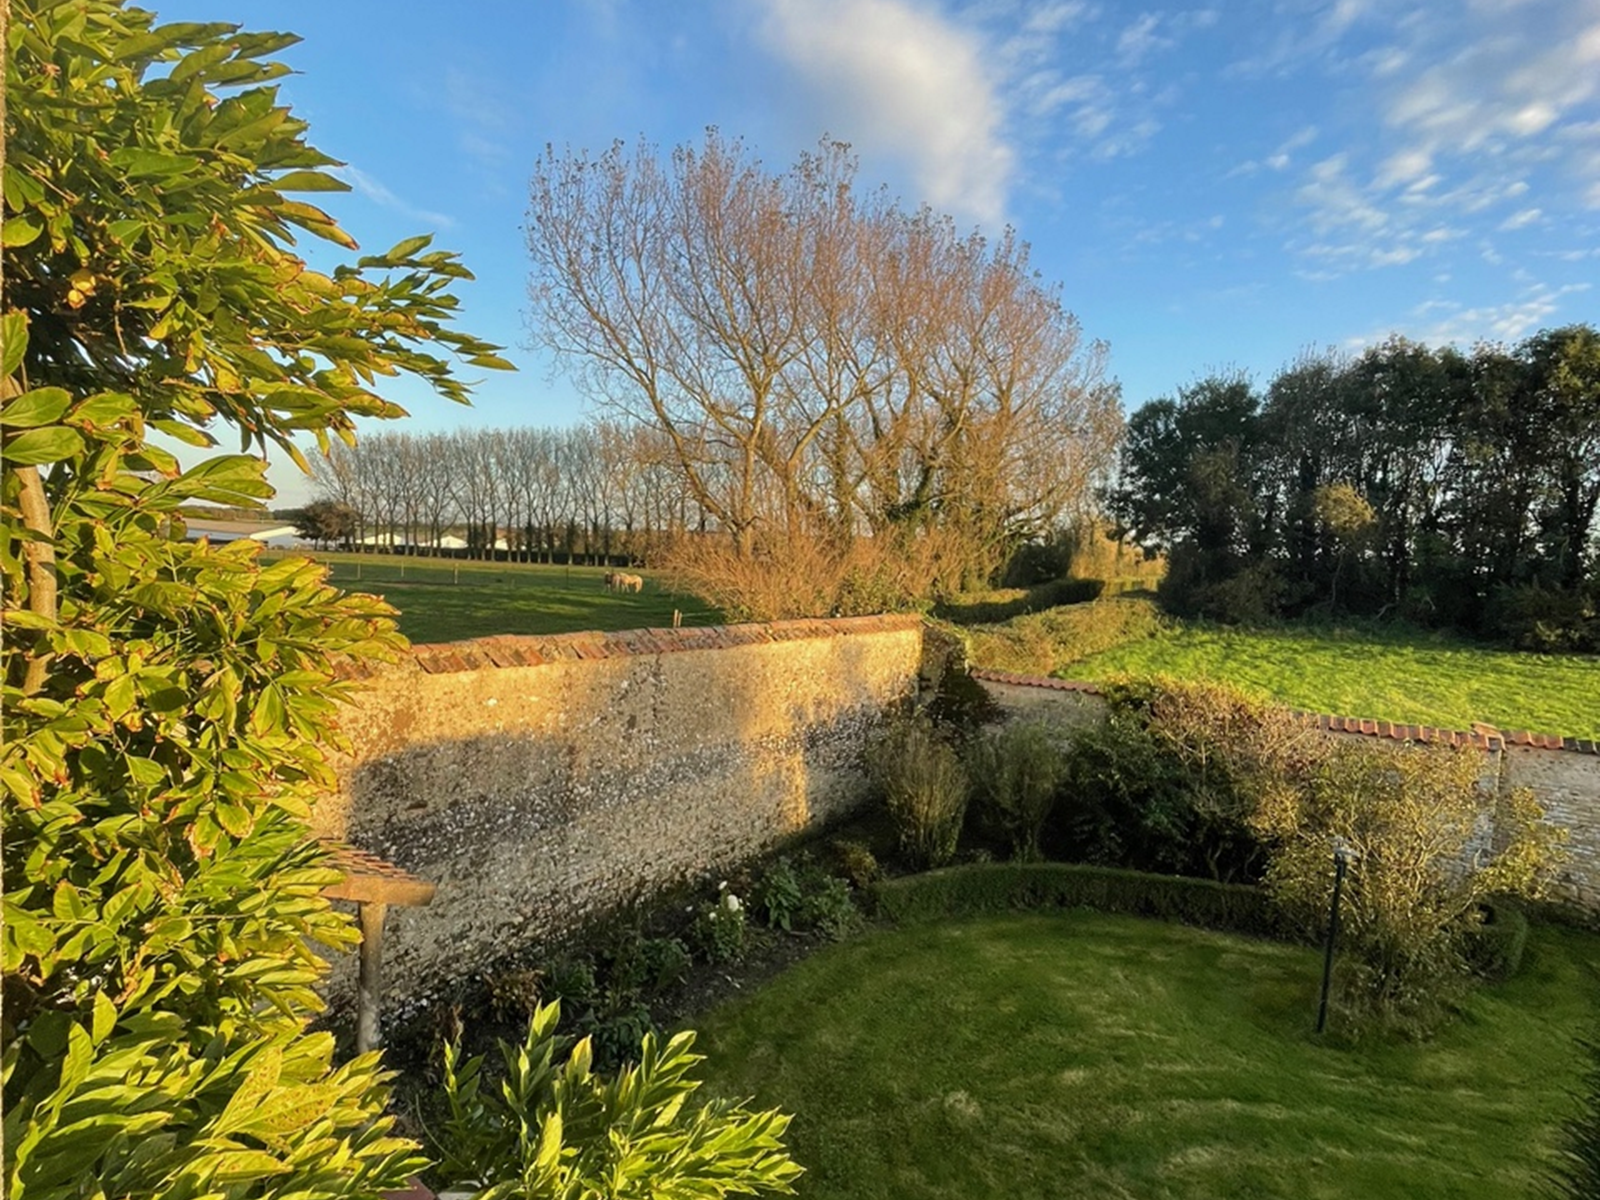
<point>1081,1055</point>
<point>1414,678</point>
<point>445,601</point>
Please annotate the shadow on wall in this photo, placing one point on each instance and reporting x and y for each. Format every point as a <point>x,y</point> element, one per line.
<point>535,796</point>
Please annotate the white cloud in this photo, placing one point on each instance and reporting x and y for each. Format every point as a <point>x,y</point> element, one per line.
<point>1507,322</point>
<point>1522,219</point>
<point>1140,39</point>
<point>894,78</point>
<point>375,191</point>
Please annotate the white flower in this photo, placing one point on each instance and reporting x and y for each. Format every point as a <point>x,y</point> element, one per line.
<point>730,902</point>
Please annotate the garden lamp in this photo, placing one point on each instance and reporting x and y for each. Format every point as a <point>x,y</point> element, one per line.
<point>1343,855</point>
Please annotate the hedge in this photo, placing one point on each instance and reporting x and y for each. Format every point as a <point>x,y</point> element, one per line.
<point>1004,887</point>
<point>1494,948</point>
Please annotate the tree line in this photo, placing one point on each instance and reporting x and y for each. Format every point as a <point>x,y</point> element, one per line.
<point>1455,489</point>
<point>594,492</point>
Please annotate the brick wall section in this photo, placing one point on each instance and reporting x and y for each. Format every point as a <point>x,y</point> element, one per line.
<point>539,780</point>
<point>1563,772</point>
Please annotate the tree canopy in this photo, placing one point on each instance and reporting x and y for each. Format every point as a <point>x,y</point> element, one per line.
<point>1452,488</point>
<point>819,363</point>
<point>167,703</point>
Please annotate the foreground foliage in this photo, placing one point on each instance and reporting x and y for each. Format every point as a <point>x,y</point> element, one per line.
<point>1073,1054</point>
<point>553,1128</point>
<point>166,702</point>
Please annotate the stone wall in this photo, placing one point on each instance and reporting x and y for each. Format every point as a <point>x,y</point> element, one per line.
<point>538,781</point>
<point>1564,773</point>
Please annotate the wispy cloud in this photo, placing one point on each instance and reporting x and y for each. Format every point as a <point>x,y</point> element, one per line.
<point>483,115</point>
<point>1466,107</point>
<point>1439,321</point>
<point>894,78</point>
<point>375,191</point>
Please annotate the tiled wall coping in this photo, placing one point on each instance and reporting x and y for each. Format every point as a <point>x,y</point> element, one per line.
<point>1484,738</point>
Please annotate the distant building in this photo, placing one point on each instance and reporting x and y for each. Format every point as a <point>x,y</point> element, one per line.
<point>269,533</point>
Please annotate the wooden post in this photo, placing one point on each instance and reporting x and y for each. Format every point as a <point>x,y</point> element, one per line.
<point>370,986</point>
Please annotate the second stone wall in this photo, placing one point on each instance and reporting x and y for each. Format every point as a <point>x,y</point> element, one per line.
<point>539,781</point>
<point>1563,774</point>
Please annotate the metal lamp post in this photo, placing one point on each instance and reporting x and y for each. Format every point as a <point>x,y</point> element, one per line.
<point>1343,855</point>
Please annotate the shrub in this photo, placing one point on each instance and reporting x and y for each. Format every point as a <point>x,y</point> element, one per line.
<point>666,963</point>
<point>1016,772</point>
<point>718,932</point>
<point>1172,779</point>
<point>776,895</point>
<point>554,1127</point>
<point>1002,887</point>
<point>1413,818</point>
<point>855,861</point>
<point>1547,620</point>
<point>991,608</point>
<point>828,907</point>
<point>924,788</point>
<point>570,980</point>
<point>1123,800</point>
<point>516,991</point>
<point>1493,946</point>
<point>1047,643</point>
<point>961,704</point>
<point>168,705</point>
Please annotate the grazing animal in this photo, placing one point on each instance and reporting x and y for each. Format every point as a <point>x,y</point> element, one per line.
<point>630,583</point>
<point>611,581</point>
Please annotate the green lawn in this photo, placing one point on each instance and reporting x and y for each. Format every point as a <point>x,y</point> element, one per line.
<point>1076,1055</point>
<point>1413,678</point>
<point>446,601</point>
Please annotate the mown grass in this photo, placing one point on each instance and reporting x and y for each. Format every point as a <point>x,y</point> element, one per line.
<point>1083,1055</point>
<point>1390,674</point>
<point>442,600</point>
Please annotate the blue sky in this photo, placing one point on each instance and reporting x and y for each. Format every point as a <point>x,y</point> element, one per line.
<point>1211,186</point>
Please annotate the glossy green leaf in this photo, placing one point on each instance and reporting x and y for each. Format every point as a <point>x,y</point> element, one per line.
<point>50,444</point>
<point>42,406</point>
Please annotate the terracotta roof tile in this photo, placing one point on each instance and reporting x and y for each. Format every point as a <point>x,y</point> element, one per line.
<point>1482,736</point>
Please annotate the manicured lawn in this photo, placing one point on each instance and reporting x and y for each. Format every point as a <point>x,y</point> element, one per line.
<point>442,601</point>
<point>1415,679</point>
<point>1081,1055</point>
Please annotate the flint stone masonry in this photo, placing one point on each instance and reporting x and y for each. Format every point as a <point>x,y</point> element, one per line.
<point>540,781</point>
<point>1563,773</point>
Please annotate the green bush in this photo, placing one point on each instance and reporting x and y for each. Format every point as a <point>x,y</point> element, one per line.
<point>776,895</point>
<point>990,608</point>
<point>1002,887</point>
<point>1016,771</point>
<point>1547,620</point>
<point>1493,948</point>
<point>554,1127</point>
<point>924,788</point>
<point>1409,816</point>
<point>1047,643</point>
<point>1173,777</point>
<point>828,907</point>
<point>855,861</point>
<point>718,932</point>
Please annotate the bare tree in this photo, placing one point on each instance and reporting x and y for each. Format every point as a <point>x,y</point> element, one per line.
<point>816,363</point>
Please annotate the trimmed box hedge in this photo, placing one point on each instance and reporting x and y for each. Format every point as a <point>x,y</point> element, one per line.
<point>1494,949</point>
<point>1001,887</point>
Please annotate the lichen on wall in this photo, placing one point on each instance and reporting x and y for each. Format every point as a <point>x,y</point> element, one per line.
<point>541,781</point>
